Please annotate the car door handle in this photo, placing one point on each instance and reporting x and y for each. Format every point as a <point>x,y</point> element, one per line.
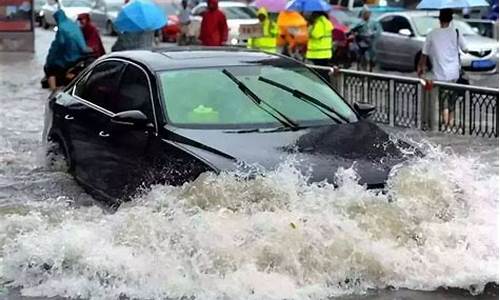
<point>69,117</point>
<point>103,134</point>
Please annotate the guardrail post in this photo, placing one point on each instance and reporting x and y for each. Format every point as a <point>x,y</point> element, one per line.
<point>392,103</point>
<point>425,117</point>
<point>433,105</point>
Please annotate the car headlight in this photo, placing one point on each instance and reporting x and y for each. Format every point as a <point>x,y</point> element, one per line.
<point>234,41</point>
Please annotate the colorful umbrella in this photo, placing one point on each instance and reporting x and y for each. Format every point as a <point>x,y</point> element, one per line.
<point>308,5</point>
<point>140,15</point>
<point>273,6</point>
<point>440,4</point>
<point>291,19</point>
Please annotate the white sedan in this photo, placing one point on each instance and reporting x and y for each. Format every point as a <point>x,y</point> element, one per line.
<point>72,8</point>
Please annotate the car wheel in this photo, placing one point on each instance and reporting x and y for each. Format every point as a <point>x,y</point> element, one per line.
<point>45,25</point>
<point>58,154</point>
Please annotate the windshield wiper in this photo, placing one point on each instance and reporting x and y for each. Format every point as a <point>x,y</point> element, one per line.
<point>287,122</point>
<point>308,99</point>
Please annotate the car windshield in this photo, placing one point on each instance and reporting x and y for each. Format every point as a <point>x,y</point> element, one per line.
<point>426,24</point>
<point>237,12</point>
<point>215,101</point>
<point>346,18</point>
<point>170,8</point>
<point>114,5</point>
<point>76,3</point>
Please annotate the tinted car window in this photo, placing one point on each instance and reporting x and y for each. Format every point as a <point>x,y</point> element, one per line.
<point>394,24</point>
<point>101,86</point>
<point>134,92</point>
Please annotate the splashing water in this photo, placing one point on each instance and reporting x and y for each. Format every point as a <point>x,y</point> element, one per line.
<point>273,237</point>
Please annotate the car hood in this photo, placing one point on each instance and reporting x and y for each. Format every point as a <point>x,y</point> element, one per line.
<point>320,151</point>
<point>480,43</point>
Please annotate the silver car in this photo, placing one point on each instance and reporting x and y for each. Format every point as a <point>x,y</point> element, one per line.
<point>400,45</point>
<point>104,13</point>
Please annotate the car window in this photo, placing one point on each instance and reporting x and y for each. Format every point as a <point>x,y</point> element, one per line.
<point>426,24</point>
<point>76,3</point>
<point>134,93</point>
<point>101,86</point>
<point>236,12</point>
<point>344,3</point>
<point>394,24</point>
<point>170,8</point>
<point>216,102</point>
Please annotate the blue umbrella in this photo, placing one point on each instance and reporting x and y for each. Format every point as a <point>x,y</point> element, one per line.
<point>440,4</point>
<point>140,15</point>
<point>308,5</point>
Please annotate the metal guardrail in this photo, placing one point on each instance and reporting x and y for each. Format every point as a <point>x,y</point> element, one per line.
<point>415,103</point>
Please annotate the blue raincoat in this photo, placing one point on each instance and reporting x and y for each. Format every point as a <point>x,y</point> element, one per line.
<point>69,44</point>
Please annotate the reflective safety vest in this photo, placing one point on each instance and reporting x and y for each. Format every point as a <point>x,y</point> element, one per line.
<point>320,43</point>
<point>267,42</point>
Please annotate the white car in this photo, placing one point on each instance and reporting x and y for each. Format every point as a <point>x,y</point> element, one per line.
<point>400,45</point>
<point>237,14</point>
<point>72,8</point>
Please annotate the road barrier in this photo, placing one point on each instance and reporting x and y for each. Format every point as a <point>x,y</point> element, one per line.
<point>415,103</point>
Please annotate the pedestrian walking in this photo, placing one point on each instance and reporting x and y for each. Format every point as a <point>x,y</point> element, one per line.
<point>266,42</point>
<point>214,30</point>
<point>91,35</point>
<point>442,46</point>
<point>184,21</point>
<point>66,50</point>
<point>320,43</point>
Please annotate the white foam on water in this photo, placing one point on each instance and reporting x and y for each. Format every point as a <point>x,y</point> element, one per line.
<point>273,237</point>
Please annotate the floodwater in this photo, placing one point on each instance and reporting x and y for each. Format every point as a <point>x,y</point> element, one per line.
<point>433,236</point>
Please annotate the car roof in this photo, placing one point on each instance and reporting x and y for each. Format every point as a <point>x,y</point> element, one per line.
<point>411,13</point>
<point>175,58</point>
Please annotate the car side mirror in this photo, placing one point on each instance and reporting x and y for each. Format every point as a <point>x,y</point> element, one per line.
<point>405,32</point>
<point>365,110</point>
<point>132,118</point>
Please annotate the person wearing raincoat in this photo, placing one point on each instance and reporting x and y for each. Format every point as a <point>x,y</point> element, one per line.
<point>320,43</point>
<point>267,42</point>
<point>66,50</point>
<point>91,35</point>
<point>214,29</point>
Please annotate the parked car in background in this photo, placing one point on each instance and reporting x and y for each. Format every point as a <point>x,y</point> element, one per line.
<point>237,14</point>
<point>72,8</point>
<point>38,4</point>
<point>400,44</point>
<point>104,13</point>
<point>173,28</point>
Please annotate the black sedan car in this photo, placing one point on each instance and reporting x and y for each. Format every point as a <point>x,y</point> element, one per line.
<point>137,118</point>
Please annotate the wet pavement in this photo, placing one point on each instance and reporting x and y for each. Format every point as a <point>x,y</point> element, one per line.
<point>276,237</point>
